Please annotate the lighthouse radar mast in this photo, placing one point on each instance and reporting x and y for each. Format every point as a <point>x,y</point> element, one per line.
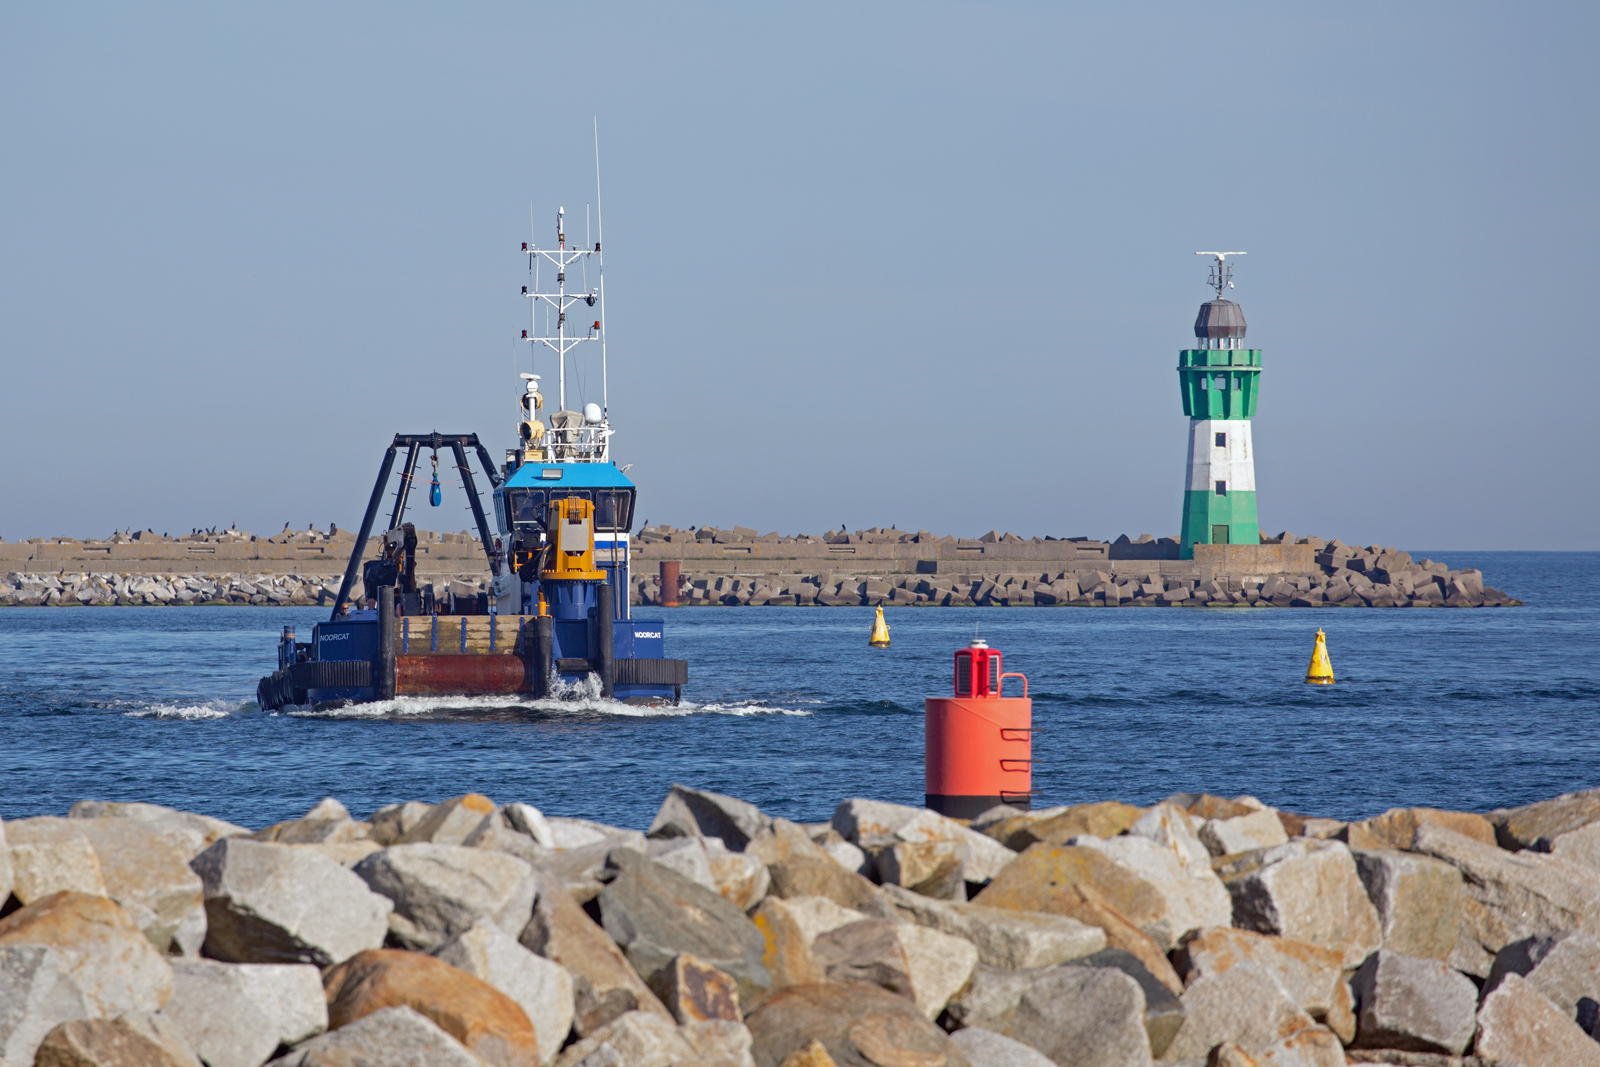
<point>1221,276</point>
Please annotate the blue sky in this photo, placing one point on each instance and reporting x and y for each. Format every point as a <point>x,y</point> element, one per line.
<point>919,264</point>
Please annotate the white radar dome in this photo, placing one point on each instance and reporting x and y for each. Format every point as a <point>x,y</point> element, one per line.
<point>591,413</point>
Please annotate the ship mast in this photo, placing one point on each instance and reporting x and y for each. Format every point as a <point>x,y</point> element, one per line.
<point>575,436</point>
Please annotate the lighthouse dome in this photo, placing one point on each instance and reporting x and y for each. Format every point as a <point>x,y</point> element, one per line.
<point>1219,319</point>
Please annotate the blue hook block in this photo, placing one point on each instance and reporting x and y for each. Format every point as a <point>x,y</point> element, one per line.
<point>433,493</point>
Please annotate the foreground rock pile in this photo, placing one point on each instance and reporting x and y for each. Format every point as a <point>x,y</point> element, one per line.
<point>26,589</point>
<point>1197,931</point>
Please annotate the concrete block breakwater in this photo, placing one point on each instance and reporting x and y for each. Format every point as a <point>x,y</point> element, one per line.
<point>1199,930</point>
<point>1452,589</point>
<point>740,566</point>
<point>1320,574</point>
<point>27,589</point>
<point>306,552</point>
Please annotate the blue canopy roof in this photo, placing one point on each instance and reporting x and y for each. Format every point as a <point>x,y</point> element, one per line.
<point>578,475</point>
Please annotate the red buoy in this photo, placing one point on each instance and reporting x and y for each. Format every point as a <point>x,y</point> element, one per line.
<point>979,744</point>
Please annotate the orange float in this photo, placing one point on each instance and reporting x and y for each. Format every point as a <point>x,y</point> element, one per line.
<point>979,744</point>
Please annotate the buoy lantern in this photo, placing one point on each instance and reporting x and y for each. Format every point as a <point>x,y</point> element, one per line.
<point>1321,670</point>
<point>979,744</point>
<point>880,631</point>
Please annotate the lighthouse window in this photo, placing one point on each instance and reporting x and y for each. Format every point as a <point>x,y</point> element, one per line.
<point>1222,488</point>
<point>1238,383</point>
<point>1222,440</point>
<point>1205,383</point>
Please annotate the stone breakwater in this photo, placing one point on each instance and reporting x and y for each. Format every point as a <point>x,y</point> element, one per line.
<point>739,566</point>
<point>31,589</point>
<point>1197,931</point>
<point>309,551</point>
<point>1346,576</point>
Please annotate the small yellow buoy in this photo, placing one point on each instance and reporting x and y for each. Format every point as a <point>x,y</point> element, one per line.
<point>880,631</point>
<point>1321,671</point>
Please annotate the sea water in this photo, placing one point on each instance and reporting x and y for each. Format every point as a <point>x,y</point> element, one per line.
<point>790,709</point>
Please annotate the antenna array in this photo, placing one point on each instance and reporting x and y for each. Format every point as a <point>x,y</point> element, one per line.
<point>563,339</point>
<point>1221,276</point>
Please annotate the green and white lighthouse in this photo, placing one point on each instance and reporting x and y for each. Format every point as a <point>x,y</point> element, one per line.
<point>1219,378</point>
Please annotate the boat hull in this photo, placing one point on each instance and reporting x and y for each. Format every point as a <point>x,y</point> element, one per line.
<point>473,655</point>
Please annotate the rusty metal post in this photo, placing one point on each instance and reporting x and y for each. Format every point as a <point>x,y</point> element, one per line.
<point>669,583</point>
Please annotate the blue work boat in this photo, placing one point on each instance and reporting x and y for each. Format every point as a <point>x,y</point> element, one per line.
<point>556,621</point>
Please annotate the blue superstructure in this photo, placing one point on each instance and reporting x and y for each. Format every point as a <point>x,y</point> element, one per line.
<point>568,476</point>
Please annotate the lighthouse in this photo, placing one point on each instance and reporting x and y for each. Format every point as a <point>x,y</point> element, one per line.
<point>1219,378</point>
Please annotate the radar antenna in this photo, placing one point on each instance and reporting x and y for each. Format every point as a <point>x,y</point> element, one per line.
<point>1221,276</point>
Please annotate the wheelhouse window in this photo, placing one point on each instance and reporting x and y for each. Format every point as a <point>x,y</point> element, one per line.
<point>564,494</point>
<point>524,506</point>
<point>613,510</point>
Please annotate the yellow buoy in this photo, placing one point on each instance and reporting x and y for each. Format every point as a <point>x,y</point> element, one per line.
<point>880,631</point>
<point>1321,671</point>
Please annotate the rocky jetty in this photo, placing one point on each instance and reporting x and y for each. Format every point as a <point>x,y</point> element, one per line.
<point>741,566</point>
<point>66,589</point>
<point>1197,931</point>
<point>1350,576</point>
<point>309,552</point>
<point>743,535</point>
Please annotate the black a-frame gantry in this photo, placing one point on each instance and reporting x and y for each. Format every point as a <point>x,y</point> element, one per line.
<point>416,442</point>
